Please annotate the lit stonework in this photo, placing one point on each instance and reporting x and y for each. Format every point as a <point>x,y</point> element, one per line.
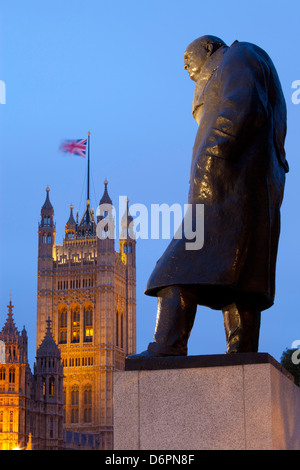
<point>88,290</point>
<point>14,386</point>
<point>31,405</point>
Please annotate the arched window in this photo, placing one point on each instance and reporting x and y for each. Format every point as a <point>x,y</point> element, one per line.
<point>117,328</point>
<point>51,427</point>
<point>63,324</point>
<point>88,324</point>
<point>11,421</point>
<point>64,402</point>
<point>87,402</point>
<point>75,395</point>
<point>52,386</point>
<point>122,330</point>
<point>49,238</point>
<point>12,375</point>
<point>75,404</point>
<point>44,238</point>
<point>75,313</point>
<point>2,373</point>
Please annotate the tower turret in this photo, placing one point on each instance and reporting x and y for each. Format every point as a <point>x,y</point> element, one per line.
<point>47,232</point>
<point>48,373</point>
<point>47,229</point>
<point>106,222</point>
<point>70,228</point>
<point>13,385</point>
<point>127,241</point>
<point>127,247</point>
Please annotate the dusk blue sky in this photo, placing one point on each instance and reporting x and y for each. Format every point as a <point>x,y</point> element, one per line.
<point>116,69</point>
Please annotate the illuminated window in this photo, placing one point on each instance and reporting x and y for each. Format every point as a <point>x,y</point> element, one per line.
<point>88,324</point>
<point>75,313</point>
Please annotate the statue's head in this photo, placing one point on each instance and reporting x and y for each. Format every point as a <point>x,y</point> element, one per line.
<point>198,52</point>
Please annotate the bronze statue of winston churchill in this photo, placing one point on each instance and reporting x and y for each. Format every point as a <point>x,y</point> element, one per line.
<point>238,173</point>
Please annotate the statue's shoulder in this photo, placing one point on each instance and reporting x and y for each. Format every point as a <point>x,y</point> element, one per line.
<point>246,56</point>
<point>246,51</point>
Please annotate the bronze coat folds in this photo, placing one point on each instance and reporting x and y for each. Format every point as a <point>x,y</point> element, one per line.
<point>238,172</point>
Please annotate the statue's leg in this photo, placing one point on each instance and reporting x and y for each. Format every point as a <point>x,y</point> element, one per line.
<point>242,325</point>
<point>175,318</point>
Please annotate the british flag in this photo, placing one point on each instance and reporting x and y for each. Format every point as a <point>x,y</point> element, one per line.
<point>75,147</point>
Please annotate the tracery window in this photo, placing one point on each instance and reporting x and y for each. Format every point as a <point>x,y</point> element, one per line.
<point>2,373</point>
<point>117,328</point>
<point>75,313</point>
<point>11,421</point>
<point>87,402</point>
<point>63,324</point>
<point>88,324</point>
<point>75,404</point>
<point>12,375</point>
<point>52,386</point>
<point>122,330</point>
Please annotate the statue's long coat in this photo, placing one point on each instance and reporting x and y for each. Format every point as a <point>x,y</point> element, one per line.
<point>238,172</point>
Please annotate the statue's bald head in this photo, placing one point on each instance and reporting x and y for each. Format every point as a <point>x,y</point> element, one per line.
<point>207,42</point>
<point>198,52</point>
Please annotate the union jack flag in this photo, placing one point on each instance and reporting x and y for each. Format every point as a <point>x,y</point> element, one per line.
<point>75,147</point>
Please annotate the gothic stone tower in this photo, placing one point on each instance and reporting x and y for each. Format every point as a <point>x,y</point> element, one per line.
<point>47,419</point>
<point>14,386</point>
<point>88,291</point>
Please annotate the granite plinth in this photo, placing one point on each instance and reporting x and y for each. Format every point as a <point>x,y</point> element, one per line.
<point>235,402</point>
<point>211,360</point>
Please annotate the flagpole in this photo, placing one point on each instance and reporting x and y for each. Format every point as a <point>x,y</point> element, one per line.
<point>88,171</point>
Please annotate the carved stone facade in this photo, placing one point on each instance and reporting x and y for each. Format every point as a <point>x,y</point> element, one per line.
<point>31,405</point>
<point>88,291</point>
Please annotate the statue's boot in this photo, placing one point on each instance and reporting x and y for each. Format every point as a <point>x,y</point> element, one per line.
<point>176,312</point>
<point>242,324</point>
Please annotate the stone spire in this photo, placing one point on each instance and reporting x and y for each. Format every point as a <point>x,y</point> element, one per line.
<point>105,198</point>
<point>126,224</point>
<point>71,220</point>
<point>16,342</point>
<point>47,207</point>
<point>48,347</point>
<point>9,332</point>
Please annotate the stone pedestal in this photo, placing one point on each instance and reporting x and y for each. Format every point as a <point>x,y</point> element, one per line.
<point>242,401</point>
